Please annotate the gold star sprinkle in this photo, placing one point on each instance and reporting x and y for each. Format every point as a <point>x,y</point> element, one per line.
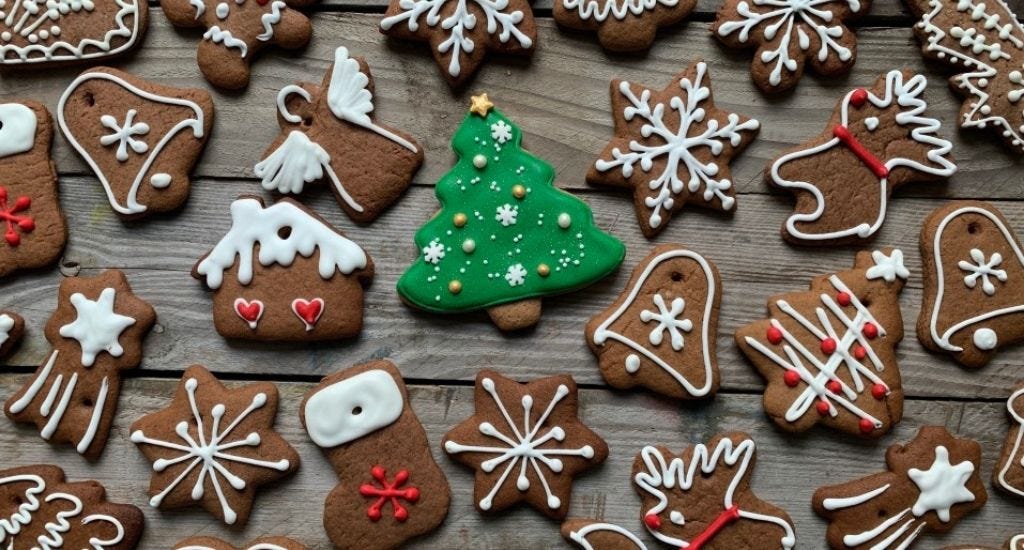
<point>480,105</point>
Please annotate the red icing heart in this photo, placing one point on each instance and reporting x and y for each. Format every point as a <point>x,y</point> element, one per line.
<point>308,310</point>
<point>250,312</point>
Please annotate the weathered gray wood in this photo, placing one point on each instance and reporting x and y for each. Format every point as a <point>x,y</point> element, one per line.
<point>788,468</point>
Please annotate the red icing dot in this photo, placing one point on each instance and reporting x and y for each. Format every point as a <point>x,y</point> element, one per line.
<point>774,335</point>
<point>858,97</point>
<point>879,391</point>
<point>843,298</point>
<point>870,330</point>
<point>652,521</point>
<point>866,426</point>
<point>792,378</point>
<point>834,386</point>
<point>822,407</point>
<point>859,352</point>
<point>828,346</point>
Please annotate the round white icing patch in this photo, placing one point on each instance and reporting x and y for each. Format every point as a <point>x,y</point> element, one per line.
<point>223,10</point>
<point>632,363</point>
<point>160,181</point>
<point>985,339</point>
<point>17,129</point>
<point>353,408</point>
<point>871,123</point>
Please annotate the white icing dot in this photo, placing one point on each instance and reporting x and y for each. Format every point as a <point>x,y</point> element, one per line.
<point>676,517</point>
<point>55,30</point>
<point>468,246</point>
<point>160,180</point>
<point>564,220</point>
<point>871,123</point>
<point>480,161</point>
<point>5,36</point>
<point>223,10</point>
<point>985,339</point>
<point>632,363</point>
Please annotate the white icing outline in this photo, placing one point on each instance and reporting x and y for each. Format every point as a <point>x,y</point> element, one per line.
<point>258,546</point>
<point>580,536</point>
<point>53,536</point>
<point>599,10</point>
<point>1016,447</point>
<point>295,310</point>
<point>242,301</point>
<point>75,53</point>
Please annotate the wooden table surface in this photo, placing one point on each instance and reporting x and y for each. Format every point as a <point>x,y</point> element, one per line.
<point>560,99</point>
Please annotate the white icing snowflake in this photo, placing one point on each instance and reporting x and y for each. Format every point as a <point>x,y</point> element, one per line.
<point>516,275</point>
<point>433,252</point>
<point>501,132</point>
<point>983,269</point>
<point>507,214</point>
<point>668,321</point>
<point>123,135</point>
<point>887,267</point>
<point>96,327</point>
<point>942,485</point>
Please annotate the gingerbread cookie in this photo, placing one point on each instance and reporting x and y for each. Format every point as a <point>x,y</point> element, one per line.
<point>661,331</point>
<point>140,139</point>
<point>12,328</point>
<point>1015,543</point>
<point>461,32</point>
<point>33,225</point>
<point>236,30</point>
<point>828,353</point>
<point>505,235</point>
<point>39,510</point>
<point>931,484</point>
<point>525,442</point>
<point>681,143</point>
<point>589,534</point>
<point>622,25</point>
<point>1009,472</point>
<point>96,332</point>
<point>263,543</point>
<point>305,283</point>
<point>327,134</point>
<point>214,446</point>
<point>61,32</point>
<point>973,283</point>
<point>790,33</point>
<point>390,488</point>
<point>876,141</point>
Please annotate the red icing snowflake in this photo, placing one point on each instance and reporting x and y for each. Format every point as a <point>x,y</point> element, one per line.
<point>389,491</point>
<point>9,214</point>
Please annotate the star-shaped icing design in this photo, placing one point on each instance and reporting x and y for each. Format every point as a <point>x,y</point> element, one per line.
<point>97,327</point>
<point>888,267</point>
<point>942,486</point>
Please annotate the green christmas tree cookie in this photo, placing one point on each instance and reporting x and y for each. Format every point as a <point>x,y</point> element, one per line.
<point>505,236</point>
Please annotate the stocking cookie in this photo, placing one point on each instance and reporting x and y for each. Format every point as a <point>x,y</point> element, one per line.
<point>34,230</point>
<point>672,147</point>
<point>390,488</point>
<point>589,534</point>
<point>214,446</point>
<point>525,442</point>
<point>12,328</point>
<point>39,510</point>
<point>661,331</point>
<point>1009,472</point>
<point>305,283</point>
<point>461,32</point>
<point>236,30</point>
<point>140,139</point>
<point>973,283</point>
<point>931,484</point>
<point>876,141</point>
<point>828,353</point>
<point>328,135</point>
<point>703,497</point>
<point>622,25</point>
<point>263,543</point>
<point>790,33</point>
<point>96,332</point>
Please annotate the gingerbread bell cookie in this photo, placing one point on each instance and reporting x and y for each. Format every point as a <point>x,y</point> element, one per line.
<point>12,328</point>
<point>828,353</point>
<point>876,141</point>
<point>34,229</point>
<point>40,510</point>
<point>140,139</point>
<point>661,331</point>
<point>328,136</point>
<point>262,543</point>
<point>702,497</point>
<point>282,273</point>
<point>525,442</point>
<point>930,484</point>
<point>390,488</point>
<point>672,147</point>
<point>1009,472</point>
<point>589,534</point>
<point>96,332</point>
<point>622,25</point>
<point>973,283</point>
<point>236,30</point>
<point>214,446</point>
<point>789,34</point>
<point>505,235</point>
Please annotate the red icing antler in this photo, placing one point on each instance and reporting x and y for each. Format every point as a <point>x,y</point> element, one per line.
<point>9,214</point>
<point>727,516</point>
<point>389,491</point>
<point>858,98</point>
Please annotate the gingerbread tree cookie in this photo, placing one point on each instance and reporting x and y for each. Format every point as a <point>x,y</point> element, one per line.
<point>262,543</point>
<point>1009,472</point>
<point>589,534</point>
<point>12,328</point>
<point>622,25</point>
<point>96,332</point>
<point>828,353</point>
<point>525,442</point>
<point>327,134</point>
<point>672,147</point>
<point>214,446</point>
<point>931,484</point>
<point>876,141</point>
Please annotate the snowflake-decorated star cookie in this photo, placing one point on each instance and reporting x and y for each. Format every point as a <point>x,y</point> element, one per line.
<point>672,147</point>
<point>214,446</point>
<point>622,25</point>
<point>525,442</point>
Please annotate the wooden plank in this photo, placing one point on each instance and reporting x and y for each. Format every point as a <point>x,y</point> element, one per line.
<point>788,468</point>
<point>560,98</point>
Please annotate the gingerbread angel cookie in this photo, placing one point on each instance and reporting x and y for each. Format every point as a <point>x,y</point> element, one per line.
<point>789,34</point>
<point>589,534</point>
<point>41,511</point>
<point>262,543</point>
<point>34,230</point>
<point>12,328</point>
<point>328,136</point>
<point>672,147</point>
<point>140,139</point>
<point>973,283</point>
<point>1009,472</point>
<point>828,353</point>
<point>282,273</point>
<point>931,484</point>
<point>622,25</point>
<point>525,442</point>
<point>236,30</point>
<point>214,446</point>
<point>702,497</point>
<point>390,489</point>
<point>96,332</point>
<point>876,141</point>
<point>661,331</point>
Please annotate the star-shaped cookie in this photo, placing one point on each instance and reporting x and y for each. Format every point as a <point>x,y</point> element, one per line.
<point>525,442</point>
